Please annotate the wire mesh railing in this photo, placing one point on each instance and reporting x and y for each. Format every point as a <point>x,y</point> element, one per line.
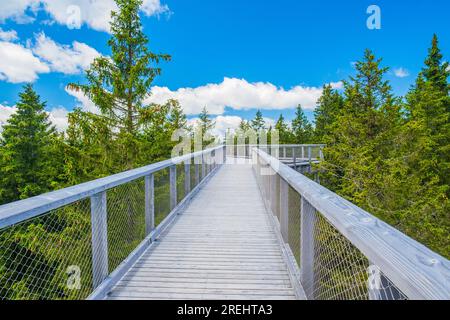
<point>341,251</point>
<point>75,242</point>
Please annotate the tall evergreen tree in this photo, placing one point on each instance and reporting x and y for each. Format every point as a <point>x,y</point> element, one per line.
<point>206,124</point>
<point>328,107</point>
<point>301,127</point>
<point>27,142</point>
<point>258,122</point>
<point>244,125</point>
<point>284,133</point>
<point>177,119</point>
<point>119,84</point>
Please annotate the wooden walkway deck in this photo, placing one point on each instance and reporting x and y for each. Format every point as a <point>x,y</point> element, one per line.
<point>222,246</point>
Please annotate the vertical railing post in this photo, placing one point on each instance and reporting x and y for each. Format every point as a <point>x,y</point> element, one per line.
<point>149,203</point>
<point>303,153</point>
<point>373,286</point>
<point>321,153</point>
<point>187,178</point>
<point>273,190</point>
<point>309,159</point>
<point>99,225</point>
<point>295,158</point>
<point>203,166</point>
<point>197,172</point>
<point>284,152</point>
<point>284,209</point>
<point>173,187</point>
<point>307,226</point>
<point>224,154</point>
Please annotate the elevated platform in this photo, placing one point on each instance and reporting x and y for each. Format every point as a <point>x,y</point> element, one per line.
<point>222,246</point>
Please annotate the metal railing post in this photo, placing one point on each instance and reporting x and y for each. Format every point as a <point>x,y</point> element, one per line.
<point>309,159</point>
<point>224,154</point>
<point>273,190</point>
<point>284,209</point>
<point>187,178</point>
<point>284,152</point>
<point>307,225</point>
<point>197,173</point>
<point>173,187</point>
<point>203,166</point>
<point>149,203</point>
<point>295,158</point>
<point>99,225</point>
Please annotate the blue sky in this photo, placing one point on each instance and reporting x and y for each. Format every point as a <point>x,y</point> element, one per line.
<point>272,53</point>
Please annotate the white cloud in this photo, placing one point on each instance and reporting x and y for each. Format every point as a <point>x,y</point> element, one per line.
<point>83,102</point>
<point>18,64</point>
<point>96,14</point>
<point>238,94</point>
<point>62,58</point>
<point>21,63</point>
<point>8,35</point>
<point>16,10</point>
<point>401,72</point>
<point>337,85</point>
<point>5,113</point>
<point>58,116</point>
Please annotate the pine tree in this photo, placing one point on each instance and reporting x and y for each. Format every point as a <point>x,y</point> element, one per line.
<point>428,106</point>
<point>244,126</point>
<point>301,127</point>
<point>27,142</point>
<point>258,122</point>
<point>328,107</point>
<point>206,124</point>
<point>284,133</point>
<point>177,119</point>
<point>119,84</point>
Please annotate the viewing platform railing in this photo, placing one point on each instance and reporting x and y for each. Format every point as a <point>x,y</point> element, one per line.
<point>75,243</point>
<point>340,251</point>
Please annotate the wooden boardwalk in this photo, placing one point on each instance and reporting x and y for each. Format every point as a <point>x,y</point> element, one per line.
<point>222,246</point>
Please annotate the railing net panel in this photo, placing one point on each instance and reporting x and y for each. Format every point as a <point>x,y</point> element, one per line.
<point>48,257</point>
<point>126,220</point>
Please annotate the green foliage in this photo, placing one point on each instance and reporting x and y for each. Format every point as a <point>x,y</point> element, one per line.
<point>392,163</point>
<point>284,133</point>
<point>204,127</point>
<point>27,149</point>
<point>301,127</point>
<point>328,107</point>
<point>258,122</point>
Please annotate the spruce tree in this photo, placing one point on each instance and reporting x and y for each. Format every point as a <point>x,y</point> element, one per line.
<point>27,167</point>
<point>206,124</point>
<point>177,119</point>
<point>119,84</point>
<point>328,107</point>
<point>301,127</point>
<point>284,133</point>
<point>258,122</point>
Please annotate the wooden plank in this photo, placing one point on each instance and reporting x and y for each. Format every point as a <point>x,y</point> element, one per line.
<point>222,243</point>
<point>202,285</point>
